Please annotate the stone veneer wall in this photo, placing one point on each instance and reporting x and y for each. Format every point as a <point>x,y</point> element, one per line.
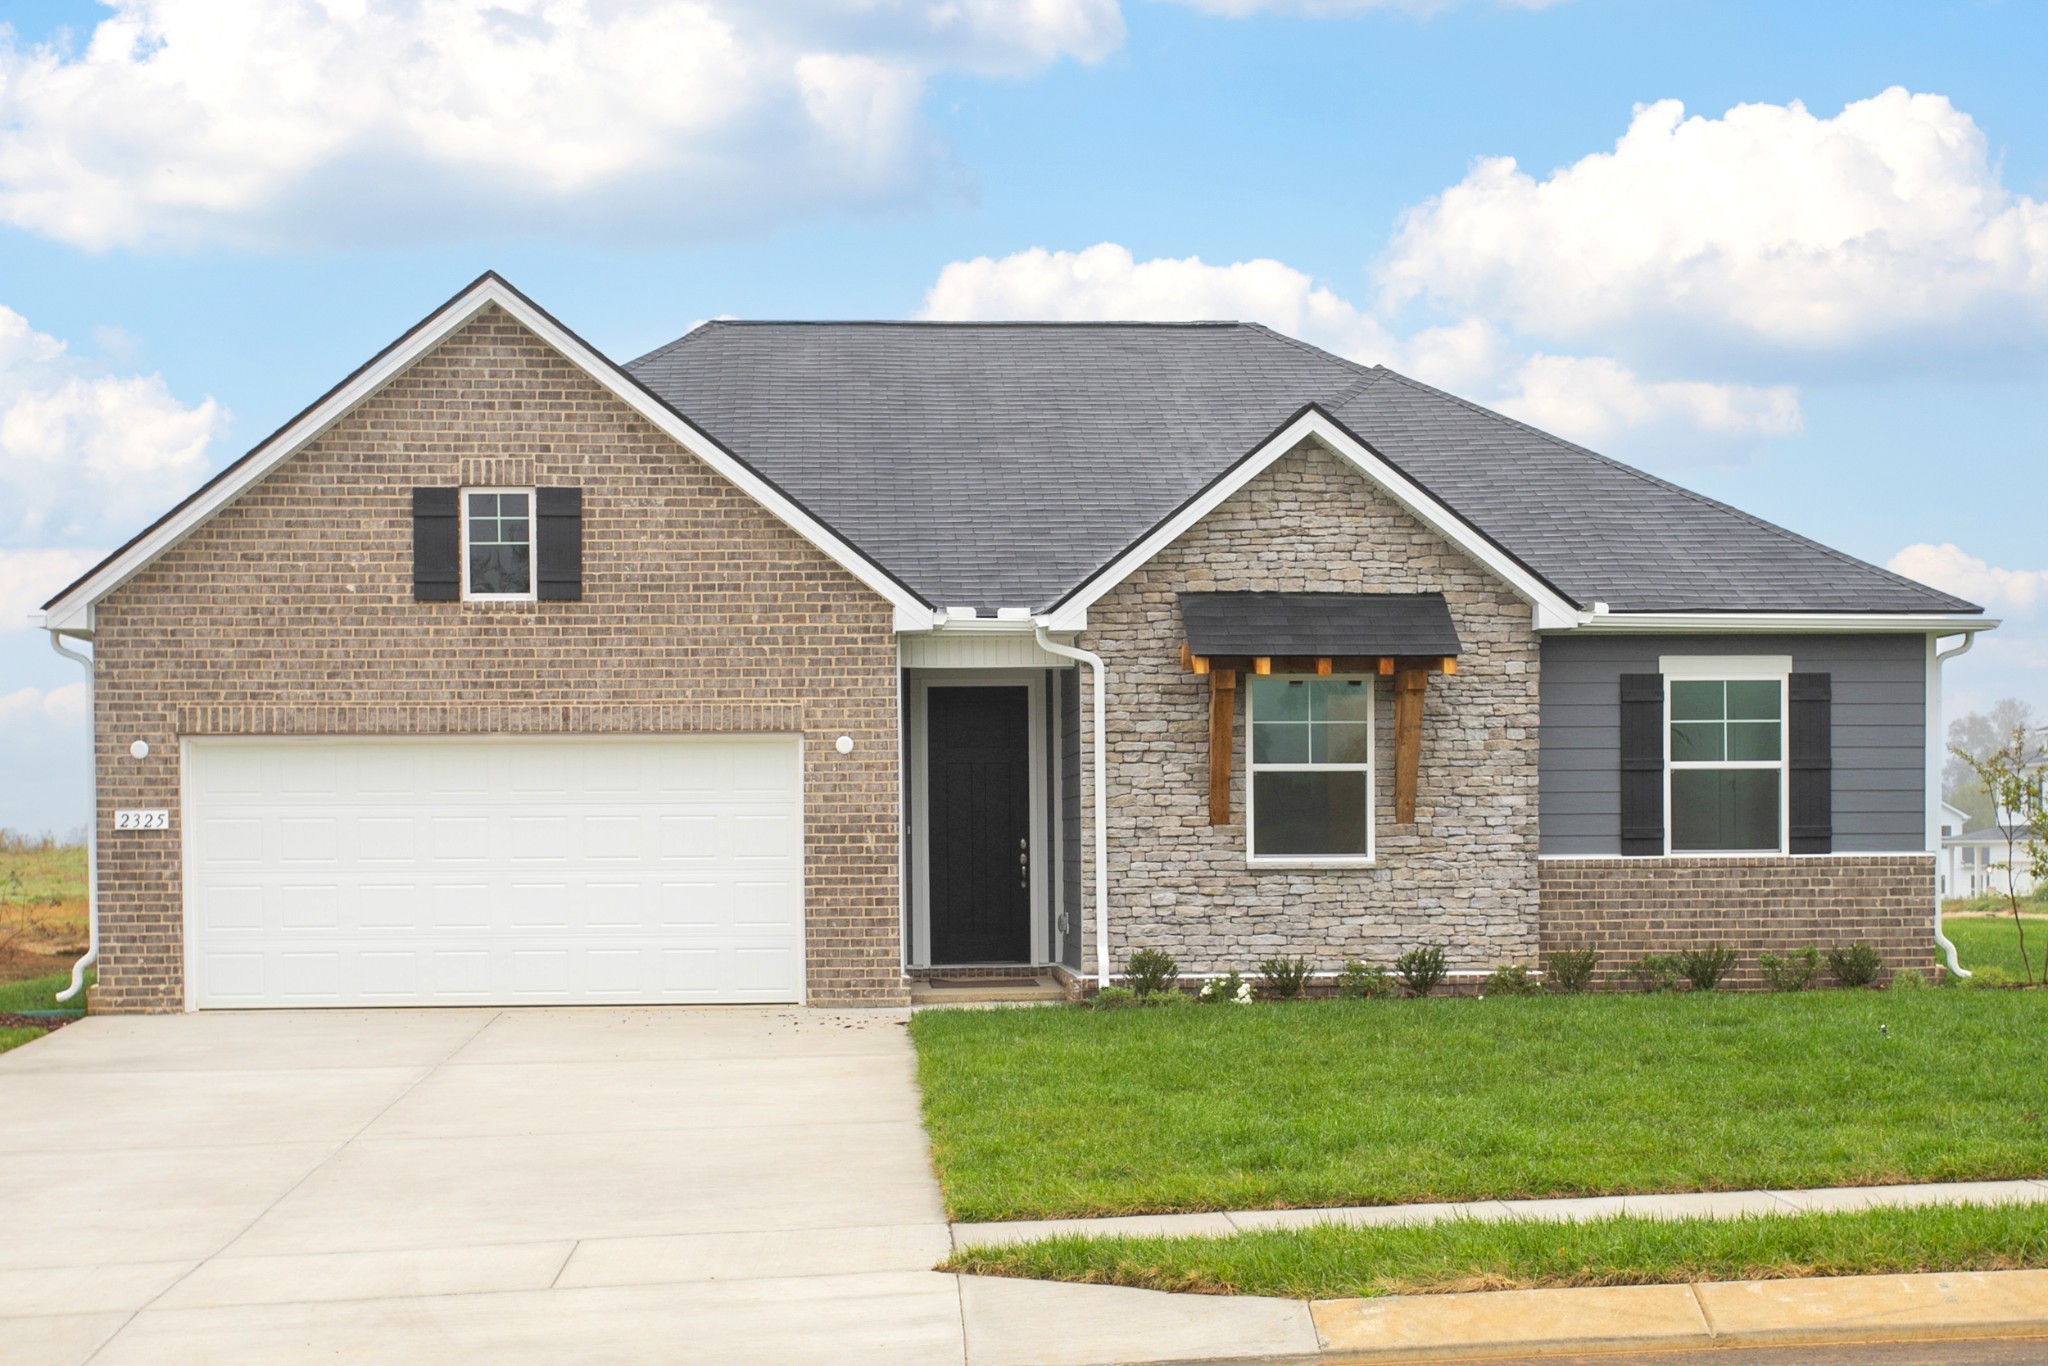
<point>291,612</point>
<point>1463,873</point>
<point>1628,907</point>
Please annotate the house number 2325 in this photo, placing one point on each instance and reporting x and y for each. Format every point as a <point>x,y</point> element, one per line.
<point>142,820</point>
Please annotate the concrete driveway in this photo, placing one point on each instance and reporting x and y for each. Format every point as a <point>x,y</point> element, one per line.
<point>694,1185</point>
<point>519,1185</point>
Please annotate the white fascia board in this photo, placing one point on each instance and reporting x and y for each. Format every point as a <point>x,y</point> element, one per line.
<point>1765,623</point>
<point>1552,610</point>
<point>73,611</point>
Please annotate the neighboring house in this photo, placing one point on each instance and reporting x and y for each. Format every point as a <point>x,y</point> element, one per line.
<point>788,662</point>
<point>1953,821</point>
<point>1983,863</point>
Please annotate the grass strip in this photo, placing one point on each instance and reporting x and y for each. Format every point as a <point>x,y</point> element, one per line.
<point>15,1038</point>
<point>1068,1112</point>
<point>1327,1261</point>
<point>40,993</point>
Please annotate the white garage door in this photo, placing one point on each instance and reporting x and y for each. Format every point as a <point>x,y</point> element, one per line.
<point>493,871</point>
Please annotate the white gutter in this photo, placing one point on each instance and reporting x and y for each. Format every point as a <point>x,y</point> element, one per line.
<point>1934,765</point>
<point>92,827</point>
<point>1094,662</point>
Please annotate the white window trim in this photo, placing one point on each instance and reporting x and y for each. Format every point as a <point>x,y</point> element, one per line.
<point>1731,669</point>
<point>532,593</point>
<point>1251,770</point>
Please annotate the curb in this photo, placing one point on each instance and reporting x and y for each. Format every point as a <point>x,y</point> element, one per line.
<point>1794,1312</point>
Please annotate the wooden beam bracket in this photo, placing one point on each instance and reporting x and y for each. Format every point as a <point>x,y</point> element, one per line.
<point>1222,713</point>
<point>1409,685</point>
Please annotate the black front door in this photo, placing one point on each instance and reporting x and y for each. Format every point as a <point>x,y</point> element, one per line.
<point>978,755</point>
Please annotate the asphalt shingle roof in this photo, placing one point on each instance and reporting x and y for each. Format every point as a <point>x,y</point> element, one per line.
<point>1001,464</point>
<point>1318,624</point>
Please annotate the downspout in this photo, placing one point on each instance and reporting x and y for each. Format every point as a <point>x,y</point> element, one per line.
<point>1101,709</point>
<point>92,827</point>
<point>1935,658</point>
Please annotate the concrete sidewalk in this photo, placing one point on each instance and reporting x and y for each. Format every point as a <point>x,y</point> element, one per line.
<point>1702,1204</point>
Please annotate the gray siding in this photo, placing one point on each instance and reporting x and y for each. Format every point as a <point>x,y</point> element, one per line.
<point>1069,733</point>
<point>1880,722</point>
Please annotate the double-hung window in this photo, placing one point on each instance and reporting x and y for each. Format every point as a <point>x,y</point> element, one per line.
<point>1726,764</point>
<point>497,544</point>
<point>1311,770</point>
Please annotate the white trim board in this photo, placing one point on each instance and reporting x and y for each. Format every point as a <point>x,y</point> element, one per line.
<point>1552,610</point>
<point>1033,682</point>
<point>71,612</point>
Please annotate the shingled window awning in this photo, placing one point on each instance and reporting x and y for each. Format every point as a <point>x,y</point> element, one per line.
<point>1405,636</point>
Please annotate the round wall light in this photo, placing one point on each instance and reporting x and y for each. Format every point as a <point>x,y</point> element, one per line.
<point>844,744</point>
<point>140,749</point>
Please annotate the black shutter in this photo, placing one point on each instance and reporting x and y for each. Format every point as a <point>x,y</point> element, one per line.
<point>1642,764</point>
<point>558,544</point>
<point>436,545</point>
<point>1811,751</point>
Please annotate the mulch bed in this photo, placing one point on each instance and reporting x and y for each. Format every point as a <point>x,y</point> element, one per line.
<point>9,1020</point>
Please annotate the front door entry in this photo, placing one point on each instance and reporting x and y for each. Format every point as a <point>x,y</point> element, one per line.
<point>978,755</point>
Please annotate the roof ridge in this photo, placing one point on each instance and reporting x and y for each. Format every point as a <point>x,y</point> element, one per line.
<point>1693,494</point>
<point>1314,350</point>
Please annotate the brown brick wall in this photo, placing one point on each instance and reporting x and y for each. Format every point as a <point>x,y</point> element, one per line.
<point>291,612</point>
<point>1462,874</point>
<point>1628,907</point>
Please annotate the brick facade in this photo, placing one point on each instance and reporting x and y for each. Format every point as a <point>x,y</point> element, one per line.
<point>291,612</point>
<point>1629,907</point>
<point>1463,873</point>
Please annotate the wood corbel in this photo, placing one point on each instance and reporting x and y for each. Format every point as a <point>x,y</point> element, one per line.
<point>1222,711</point>
<point>1409,685</point>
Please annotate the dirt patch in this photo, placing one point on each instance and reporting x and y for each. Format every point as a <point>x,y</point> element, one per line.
<point>9,1020</point>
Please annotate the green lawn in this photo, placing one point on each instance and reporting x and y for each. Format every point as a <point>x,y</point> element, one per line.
<point>1048,1112</point>
<point>1994,943</point>
<point>1330,1262</point>
<point>37,993</point>
<point>40,993</point>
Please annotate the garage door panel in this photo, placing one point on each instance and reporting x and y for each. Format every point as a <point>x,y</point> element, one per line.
<point>461,871</point>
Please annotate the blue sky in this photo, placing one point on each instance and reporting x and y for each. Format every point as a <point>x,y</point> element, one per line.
<point>1823,302</point>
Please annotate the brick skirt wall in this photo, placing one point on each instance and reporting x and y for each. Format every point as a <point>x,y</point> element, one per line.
<point>1629,907</point>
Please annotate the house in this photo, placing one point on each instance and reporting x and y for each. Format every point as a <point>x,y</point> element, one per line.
<point>1954,820</point>
<point>1982,862</point>
<point>798,661</point>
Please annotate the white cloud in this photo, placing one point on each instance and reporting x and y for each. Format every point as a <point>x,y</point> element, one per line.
<point>1955,570</point>
<point>63,706</point>
<point>29,578</point>
<point>1590,398</point>
<point>1329,9</point>
<point>189,120</point>
<point>1586,398</point>
<point>1105,282</point>
<point>1768,224</point>
<point>82,452</point>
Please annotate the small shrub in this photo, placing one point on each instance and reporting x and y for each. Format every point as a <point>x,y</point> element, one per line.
<point>1908,979</point>
<point>1511,979</point>
<point>1229,988</point>
<point>1792,973</point>
<point>1421,970</point>
<point>1855,966</point>
<point>1657,972</point>
<point>1150,972</point>
<point>1115,998</point>
<point>1989,979</point>
<point>1362,981</point>
<point>1170,999</point>
<point>1282,979</point>
<point>1705,967</point>
<point>1571,970</point>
